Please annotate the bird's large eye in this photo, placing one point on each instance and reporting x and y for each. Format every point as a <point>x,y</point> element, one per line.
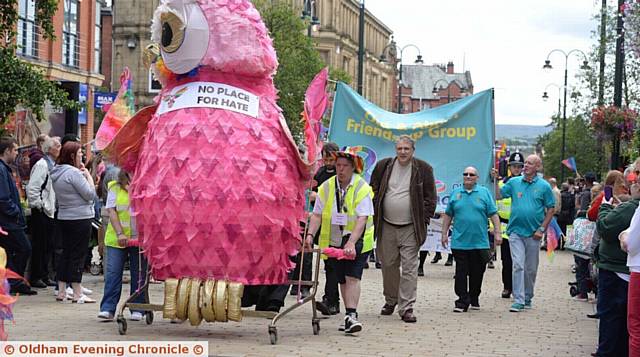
<point>181,30</point>
<point>172,32</point>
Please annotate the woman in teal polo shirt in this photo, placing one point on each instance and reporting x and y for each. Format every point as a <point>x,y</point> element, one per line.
<point>469,207</point>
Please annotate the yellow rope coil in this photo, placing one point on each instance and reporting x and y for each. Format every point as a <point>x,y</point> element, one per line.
<point>195,317</point>
<point>170,292</point>
<point>220,301</point>
<point>206,300</point>
<point>183,299</point>
<point>234,311</point>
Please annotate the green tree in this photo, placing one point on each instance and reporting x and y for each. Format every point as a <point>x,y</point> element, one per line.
<point>298,60</point>
<point>581,143</point>
<point>22,84</point>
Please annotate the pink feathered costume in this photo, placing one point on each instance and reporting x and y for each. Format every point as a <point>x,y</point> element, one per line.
<point>218,194</point>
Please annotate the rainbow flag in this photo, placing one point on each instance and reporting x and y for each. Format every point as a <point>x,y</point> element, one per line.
<point>118,113</point>
<point>571,164</point>
<point>315,104</point>
<point>554,234</point>
<point>502,151</point>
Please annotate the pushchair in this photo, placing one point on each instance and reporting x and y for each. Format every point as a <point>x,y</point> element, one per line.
<point>582,241</point>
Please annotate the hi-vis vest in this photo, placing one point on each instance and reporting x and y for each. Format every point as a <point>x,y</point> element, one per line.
<point>504,211</point>
<point>355,194</point>
<point>122,207</point>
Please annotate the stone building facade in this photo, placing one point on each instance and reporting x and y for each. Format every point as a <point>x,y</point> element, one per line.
<point>336,40</point>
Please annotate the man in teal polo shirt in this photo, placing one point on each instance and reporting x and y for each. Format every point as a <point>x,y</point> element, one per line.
<point>469,207</point>
<point>532,207</point>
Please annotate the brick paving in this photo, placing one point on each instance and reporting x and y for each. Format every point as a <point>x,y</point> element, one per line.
<point>556,326</point>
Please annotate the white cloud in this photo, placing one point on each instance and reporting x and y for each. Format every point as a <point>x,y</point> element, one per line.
<point>502,42</point>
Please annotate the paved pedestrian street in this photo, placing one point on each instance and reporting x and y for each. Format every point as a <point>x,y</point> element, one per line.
<point>556,326</point>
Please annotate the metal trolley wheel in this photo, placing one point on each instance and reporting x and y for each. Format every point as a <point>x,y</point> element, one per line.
<point>273,335</point>
<point>122,326</point>
<point>316,326</point>
<point>148,317</point>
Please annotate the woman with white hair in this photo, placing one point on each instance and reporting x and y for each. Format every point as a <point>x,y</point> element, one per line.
<point>42,200</point>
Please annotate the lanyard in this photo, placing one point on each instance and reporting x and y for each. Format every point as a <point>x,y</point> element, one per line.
<point>339,200</point>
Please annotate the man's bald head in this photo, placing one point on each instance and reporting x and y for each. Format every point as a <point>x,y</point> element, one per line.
<point>532,165</point>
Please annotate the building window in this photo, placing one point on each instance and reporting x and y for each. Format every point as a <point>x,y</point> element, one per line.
<point>27,30</point>
<point>97,61</point>
<point>70,43</point>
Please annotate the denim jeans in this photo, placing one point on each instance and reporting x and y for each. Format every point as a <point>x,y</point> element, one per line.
<point>525,255</point>
<point>115,258</point>
<point>613,337</point>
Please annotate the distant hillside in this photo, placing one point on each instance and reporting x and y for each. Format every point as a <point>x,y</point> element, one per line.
<point>520,131</point>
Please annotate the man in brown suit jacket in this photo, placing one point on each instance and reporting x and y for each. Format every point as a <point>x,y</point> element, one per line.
<point>404,201</point>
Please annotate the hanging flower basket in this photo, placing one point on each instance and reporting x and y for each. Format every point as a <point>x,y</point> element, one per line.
<point>611,121</point>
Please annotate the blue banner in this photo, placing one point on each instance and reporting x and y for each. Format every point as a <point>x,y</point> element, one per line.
<point>102,98</point>
<point>450,137</point>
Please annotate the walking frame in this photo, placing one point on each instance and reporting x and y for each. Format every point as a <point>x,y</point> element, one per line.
<point>149,308</point>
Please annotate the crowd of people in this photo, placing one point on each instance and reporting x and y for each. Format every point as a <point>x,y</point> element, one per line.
<point>66,194</point>
<point>388,216</point>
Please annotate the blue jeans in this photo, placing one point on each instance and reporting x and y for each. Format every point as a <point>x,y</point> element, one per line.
<point>613,336</point>
<point>115,258</point>
<point>525,255</point>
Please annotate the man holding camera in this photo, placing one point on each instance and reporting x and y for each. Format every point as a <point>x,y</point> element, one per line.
<point>343,212</point>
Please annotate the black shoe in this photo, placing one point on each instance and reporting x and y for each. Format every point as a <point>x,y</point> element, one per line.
<point>420,272</point>
<point>294,290</point>
<point>593,316</point>
<point>323,308</point>
<point>38,284</point>
<point>366,265</point>
<point>378,265</point>
<point>49,282</point>
<point>490,265</point>
<point>22,289</point>
<point>506,294</point>
<point>449,261</point>
<point>436,259</point>
<point>334,309</point>
<point>305,292</point>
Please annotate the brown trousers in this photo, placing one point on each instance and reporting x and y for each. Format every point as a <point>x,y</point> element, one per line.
<point>398,251</point>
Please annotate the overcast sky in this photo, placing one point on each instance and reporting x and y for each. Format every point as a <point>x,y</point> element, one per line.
<point>502,42</point>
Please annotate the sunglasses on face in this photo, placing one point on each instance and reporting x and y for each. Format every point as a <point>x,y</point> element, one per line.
<point>469,174</point>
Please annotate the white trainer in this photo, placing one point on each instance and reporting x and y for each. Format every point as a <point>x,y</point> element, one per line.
<point>105,315</point>
<point>136,316</point>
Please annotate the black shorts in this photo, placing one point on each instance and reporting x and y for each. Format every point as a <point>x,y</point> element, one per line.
<point>352,268</point>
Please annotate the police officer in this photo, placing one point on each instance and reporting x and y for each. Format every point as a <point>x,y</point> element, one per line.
<point>516,163</point>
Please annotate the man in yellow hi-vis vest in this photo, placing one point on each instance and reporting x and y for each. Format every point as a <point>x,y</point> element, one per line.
<point>343,212</point>
<point>516,163</point>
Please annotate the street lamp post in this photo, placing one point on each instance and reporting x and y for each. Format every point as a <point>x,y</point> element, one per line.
<point>547,66</point>
<point>309,13</point>
<point>436,89</point>
<point>545,96</point>
<point>390,46</point>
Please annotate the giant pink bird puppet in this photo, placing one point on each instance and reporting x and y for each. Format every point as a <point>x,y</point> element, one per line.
<point>218,183</point>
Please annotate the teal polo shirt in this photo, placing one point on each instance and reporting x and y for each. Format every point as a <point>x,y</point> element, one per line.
<point>528,203</point>
<point>470,211</point>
